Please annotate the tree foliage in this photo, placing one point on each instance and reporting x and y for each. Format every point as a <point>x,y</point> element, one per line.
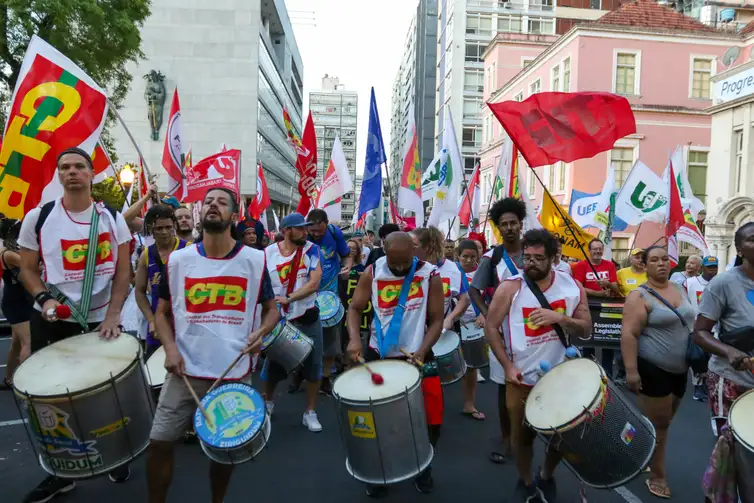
<point>109,192</point>
<point>101,36</point>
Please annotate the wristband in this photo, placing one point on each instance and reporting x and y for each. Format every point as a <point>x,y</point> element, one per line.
<point>43,297</point>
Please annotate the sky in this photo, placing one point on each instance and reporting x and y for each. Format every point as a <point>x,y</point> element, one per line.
<point>358,42</point>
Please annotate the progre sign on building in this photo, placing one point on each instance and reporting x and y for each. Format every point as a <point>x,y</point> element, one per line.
<point>736,86</point>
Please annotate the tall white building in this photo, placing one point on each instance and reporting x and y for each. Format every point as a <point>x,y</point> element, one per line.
<point>334,112</point>
<point>236,65</point>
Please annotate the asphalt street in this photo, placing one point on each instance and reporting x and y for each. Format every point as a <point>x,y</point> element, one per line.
<point>298,465</point>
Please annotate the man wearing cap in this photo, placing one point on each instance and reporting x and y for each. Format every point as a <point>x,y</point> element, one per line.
<point>695,286</point>
<point>58,233</point>
<point>295,272</point>
<point>629,278</point>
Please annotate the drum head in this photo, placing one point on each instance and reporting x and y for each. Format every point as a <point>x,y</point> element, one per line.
<point>75,364</point>
<point>268,339</point>
<point>356,384</point>
<point>156,371</point>
<point>447,342</point>
<point>328,304</point>
<point>237,412</point>
<point>741,418</point>
<point>563,393</point>
<point>471,332</point>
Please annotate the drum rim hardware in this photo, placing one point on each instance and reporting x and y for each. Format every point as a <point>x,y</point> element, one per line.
<point>736,435</point>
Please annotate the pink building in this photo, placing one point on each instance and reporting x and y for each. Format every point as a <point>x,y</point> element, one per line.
<point>661,60</point>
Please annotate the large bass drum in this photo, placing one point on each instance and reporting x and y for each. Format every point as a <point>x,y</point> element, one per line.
<point>603,437</point>
<point>741,423</point>
<point>88,402</point>
<point>384,427</point>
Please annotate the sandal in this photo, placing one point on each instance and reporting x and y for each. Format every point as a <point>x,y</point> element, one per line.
<point>659,490</point>
<point>498,458</point>
<point>474,414</point>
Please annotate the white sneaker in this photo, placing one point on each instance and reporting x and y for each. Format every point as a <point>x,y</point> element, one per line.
<point>270,407</point>
<point>480,377</point>
<point>311,421</point>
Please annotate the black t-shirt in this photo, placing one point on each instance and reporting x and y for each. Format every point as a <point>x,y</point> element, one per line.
<point>266,293</point>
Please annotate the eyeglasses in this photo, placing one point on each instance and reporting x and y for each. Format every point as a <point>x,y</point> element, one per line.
<point>538,259</point>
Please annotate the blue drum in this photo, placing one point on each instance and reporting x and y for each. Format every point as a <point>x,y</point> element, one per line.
<point>239,426</point>
<point>331,309</point>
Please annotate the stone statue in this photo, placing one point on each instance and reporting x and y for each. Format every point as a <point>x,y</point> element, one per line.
<point>154,95</point>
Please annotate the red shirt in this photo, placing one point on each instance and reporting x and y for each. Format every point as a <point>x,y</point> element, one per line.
<point>584,273</point>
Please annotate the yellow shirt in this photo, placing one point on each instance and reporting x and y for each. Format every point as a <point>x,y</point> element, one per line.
<point>628,280</point>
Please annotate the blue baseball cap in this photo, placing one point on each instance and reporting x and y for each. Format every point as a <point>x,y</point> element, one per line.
<point>294,220</point>
<point>709,261</point>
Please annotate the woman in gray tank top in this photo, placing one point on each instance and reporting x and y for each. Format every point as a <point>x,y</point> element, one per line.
<point>653,342</point>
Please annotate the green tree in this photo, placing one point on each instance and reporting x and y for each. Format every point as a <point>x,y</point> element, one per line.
<point>101,36</point>
<point>109,192</point>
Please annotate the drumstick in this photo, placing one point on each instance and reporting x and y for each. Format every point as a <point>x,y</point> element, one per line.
<point>376,378</point>
<point>418,363</point>
<point>196,399</point>
<point>230,367</point>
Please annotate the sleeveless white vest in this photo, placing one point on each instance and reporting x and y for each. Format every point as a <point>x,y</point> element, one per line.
<point>63,245</point>
<point>214,303</point>
<point>527,343</point>
<point>279,267</point>
<point>386,287</point>
<point>451,282</point>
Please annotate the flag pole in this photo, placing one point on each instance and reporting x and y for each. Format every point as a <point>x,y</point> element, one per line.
<point>389,194</point>
<point>636,234</point>
<point>130,136</point>
<point>471,211</point>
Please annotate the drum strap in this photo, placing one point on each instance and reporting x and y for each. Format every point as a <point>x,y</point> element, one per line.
<point>80,313</point>
<point>391,338</point>
<point>292,275</point>
<point>465,283</point>
<point>544,303</point>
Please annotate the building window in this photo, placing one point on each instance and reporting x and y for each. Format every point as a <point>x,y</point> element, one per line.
<point>561,176</point>
<point>738,148</point>
<point>595,4</point>
<point>697,173</point>
<point>473,80</point>
<point>469,164</point>
<point>534,87</point>
<point>532,179</point>
<point>491,77</point>
<point>541,25</point>
<point>471,137</point>
<point>567,75</point>
<point>509,24</point>
<point>625,73</point>
<point>478,24</point>
<point>700,79</point>
<point>620,250</point>
<point>519,97</point>
<point>622,158</point>
<point>551,178</point>
<point>474,53</point>
<point>471,107</point>
<point>555,78</point>
<point>526,62</point>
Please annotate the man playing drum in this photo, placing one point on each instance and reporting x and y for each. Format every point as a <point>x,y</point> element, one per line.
<point>336,260</point>
<point>295,272</point>
<point>530,338</point>
<point>414,332</point>
<point>204,320</point>
<point>58,233</point>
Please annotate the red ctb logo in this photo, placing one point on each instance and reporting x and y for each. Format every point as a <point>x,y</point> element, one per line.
<point>532,330</point>
<point>75,251</point>
<point>284,269</point>
<point>388,291</point>
<point>219,293</point>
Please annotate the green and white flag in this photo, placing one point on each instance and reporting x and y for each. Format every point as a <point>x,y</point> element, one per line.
<point>429,179</point>
<point>448,193</point>
<point>643,197</point>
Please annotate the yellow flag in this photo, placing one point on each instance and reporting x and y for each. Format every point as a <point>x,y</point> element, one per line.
<point>553,221</point>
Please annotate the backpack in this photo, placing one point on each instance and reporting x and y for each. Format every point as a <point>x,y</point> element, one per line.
<point>46,209</point>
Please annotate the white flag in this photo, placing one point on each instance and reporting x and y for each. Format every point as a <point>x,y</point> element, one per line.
<point>334,212</point>
<point>642,197</point>
<point>277,222</point>
<point>337,180</point>
<point>449,177</point>
<point>688,200</point>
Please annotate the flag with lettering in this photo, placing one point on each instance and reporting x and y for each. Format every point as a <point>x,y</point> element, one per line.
<point>557,221</point>
<point>293,138</point>
<point>55,106</point>
<point>306,165</point>
<point>216,171</point>
<point>551,127</point>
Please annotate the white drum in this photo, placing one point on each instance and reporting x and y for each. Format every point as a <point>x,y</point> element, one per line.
<point>474,346</point>
<point>89,405</point>
<point>450,362</point>
<point>741,423</point>
<point>384,427</point>
<point>156,371</point>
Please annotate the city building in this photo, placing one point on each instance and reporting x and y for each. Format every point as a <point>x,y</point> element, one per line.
<point>465,28</point>
<point>730,15</point>
<point>619,53</point>
<point>334,112</point>
<point>414,88</point>
<point>236,65</point>
<point>731,185</point>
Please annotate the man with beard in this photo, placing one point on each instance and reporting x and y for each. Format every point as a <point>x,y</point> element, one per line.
<point>185,224</point>
<point>531,338</point>
<point>57,234</point>
<point>295,271</point>
<point>416,333</point>
<point>497,264</point>
<point>203,330</point>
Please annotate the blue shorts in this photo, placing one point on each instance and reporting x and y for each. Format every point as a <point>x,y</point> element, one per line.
<point>311,370</point>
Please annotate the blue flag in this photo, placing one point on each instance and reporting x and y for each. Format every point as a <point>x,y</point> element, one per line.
<point>371,187</point>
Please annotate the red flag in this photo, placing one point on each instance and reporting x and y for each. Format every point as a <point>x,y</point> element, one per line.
<point>307,169</point>
<point>675,218</point>
<point>213,172</point>
<point>551,127</point>
<point>471,200</point>
<point>261,199</point>
<point>172,153</point>
<point>143,188</point>
<point>102,166</point>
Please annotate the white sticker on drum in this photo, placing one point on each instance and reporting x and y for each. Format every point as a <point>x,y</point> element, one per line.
<point>628,434</point>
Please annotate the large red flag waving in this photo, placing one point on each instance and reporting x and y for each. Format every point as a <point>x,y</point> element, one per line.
<point>676,218</point>
<point>172,154</point>
<point>307,169</point>
<point>551,127</point>
<point>262,198</point>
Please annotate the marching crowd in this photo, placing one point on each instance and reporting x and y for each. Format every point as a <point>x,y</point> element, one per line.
<point>465,287</point>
